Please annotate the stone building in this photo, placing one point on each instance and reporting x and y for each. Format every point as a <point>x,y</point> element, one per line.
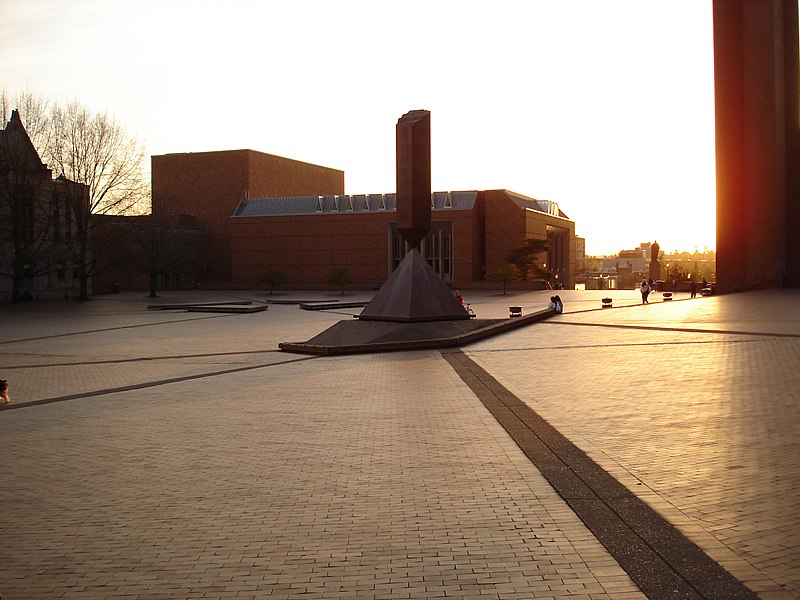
<point>37,220</point>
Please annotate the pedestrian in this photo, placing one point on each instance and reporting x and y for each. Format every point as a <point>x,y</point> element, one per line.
<point>556,304</point>
<point>645,291</point>
<point>693,288</point>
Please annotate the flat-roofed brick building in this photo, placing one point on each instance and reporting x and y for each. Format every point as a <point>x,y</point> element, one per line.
<point>266,211</point>
<point>472,233</point>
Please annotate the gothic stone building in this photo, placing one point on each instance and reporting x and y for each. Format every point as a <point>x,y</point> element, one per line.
<point>37,220</point>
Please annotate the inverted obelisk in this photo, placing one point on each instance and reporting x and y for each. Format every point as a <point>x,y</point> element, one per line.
<point>414,292</point>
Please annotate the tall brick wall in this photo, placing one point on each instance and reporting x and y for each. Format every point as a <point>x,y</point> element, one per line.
<point>508,226</point>
<point>505,227</point>
<point>210,185</point>
<point>308,247</point>
<point>275,176</point>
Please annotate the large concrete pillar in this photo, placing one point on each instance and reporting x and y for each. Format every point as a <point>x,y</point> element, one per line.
<point>757,143</point>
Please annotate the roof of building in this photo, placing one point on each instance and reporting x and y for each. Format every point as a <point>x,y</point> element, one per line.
<point>358,203</point>
<point>16,147</point>
<point>368,203</point>
<point>546,206</point>
<point>241,151</point>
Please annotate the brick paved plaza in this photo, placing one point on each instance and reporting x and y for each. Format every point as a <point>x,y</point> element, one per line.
<point>165,454</point>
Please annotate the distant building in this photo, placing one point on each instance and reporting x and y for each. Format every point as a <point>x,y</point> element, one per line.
<point>638,253</point>
<point>623,271</point>
<point>37,220</point>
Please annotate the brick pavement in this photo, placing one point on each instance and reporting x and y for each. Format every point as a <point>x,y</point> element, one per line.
<point>376,476</point>
<point>704,426</point>
<point>382,475</point>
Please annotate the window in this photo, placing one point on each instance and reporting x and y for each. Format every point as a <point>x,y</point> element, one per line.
<point>67,220</point>
<point>23,217</point>
<point>437,248</point>
<point>56,219</point>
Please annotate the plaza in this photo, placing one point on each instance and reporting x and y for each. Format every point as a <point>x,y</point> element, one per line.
<point>168,454</point>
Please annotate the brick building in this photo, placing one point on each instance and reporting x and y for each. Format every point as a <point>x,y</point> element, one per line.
<point>156,251</point>
<point>471,235</point>
<point>267,211</point>
<point>209,186</point>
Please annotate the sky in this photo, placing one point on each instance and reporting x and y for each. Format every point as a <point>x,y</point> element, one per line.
<point>606,107</point>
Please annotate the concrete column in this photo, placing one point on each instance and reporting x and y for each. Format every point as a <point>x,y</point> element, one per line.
<point>757,129</point>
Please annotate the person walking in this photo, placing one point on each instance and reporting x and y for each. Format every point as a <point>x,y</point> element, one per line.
<point>693,288</point>
<point>645,291</point>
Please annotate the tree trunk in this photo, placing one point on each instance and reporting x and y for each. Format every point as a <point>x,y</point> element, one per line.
<point>83,293</point>
<point>16,286</point>
<point>153,284</point>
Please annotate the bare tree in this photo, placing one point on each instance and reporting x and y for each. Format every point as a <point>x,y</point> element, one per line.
<point>34,110</point>
<point>95,150</point>
<point>162,243</point>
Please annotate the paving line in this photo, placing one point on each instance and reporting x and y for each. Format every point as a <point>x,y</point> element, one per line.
<point>660,559</point>
<point>678,329</point>
<point>72,333</point>
<point>618,345</point>
<point>115,361</point>
<point>147,384</point>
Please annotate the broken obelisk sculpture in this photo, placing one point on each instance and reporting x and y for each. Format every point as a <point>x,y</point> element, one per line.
<point>414,292</point>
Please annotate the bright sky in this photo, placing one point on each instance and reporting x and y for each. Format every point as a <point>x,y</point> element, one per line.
<point>606,107</point>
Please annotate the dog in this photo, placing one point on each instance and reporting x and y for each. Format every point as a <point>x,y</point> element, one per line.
<point>4,391</point>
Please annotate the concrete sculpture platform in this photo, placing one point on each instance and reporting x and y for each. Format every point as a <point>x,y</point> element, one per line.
<point>359,336</point>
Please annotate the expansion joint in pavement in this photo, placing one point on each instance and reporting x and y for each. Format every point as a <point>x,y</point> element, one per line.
<point>660,559</point>
<point>106,329</point>
<point>144,385</point>
<point>678,329</point>
<point>119,361</point>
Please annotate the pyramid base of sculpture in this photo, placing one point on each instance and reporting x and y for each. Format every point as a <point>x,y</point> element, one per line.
<point>414,293</point>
